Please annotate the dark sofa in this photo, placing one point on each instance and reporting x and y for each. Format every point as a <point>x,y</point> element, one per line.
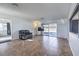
<point>25,34</point>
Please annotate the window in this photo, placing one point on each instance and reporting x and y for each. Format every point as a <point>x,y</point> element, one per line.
<point>3,29</point>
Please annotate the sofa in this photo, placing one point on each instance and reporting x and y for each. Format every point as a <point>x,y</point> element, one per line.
<point>25,34</point>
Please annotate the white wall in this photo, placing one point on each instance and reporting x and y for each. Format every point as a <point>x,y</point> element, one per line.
<point>62,28</point>
<point>74,43</point>
<point>20,24</point>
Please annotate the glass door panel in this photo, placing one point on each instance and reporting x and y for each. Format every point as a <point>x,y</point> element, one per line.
<point>46,30</point>
<point>50,30</point>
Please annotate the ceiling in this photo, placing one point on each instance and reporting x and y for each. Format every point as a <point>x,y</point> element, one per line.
<point>51,11</point>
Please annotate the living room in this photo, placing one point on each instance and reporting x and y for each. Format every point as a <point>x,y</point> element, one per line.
<point>36,29</point>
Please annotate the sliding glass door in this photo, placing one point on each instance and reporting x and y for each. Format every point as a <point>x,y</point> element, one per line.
<point>50,30</point>
<point>53,30</point>
<point>46,30</point>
